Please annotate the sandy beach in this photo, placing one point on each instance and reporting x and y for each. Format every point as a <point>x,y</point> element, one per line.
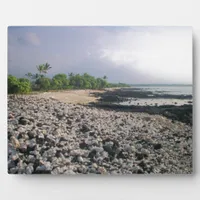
<point>71,96</point>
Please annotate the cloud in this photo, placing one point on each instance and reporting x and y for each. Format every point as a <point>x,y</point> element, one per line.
<point>165,53</point>
<point>28,38</point>
<point>128,54</point>
<point>32,38</point>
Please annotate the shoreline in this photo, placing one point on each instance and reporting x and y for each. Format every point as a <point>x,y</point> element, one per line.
<point>174,107</point>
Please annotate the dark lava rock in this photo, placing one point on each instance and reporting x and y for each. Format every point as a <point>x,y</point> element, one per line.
<point>29,169</point>
<point>122,154</point>
<point>51,139</point>
<point>32,134</point>
<point>11,164</point>
<point>23,148</point>
<point>40,138</point>
<point>85,128</point>
<point>39,124</point>
<point>157,146</point>
<point>92,154</point>
<point>31,145</point>
<point>23,121</point>
<point>139,155</point>
<point>44,168</point>
<point>83,145</point>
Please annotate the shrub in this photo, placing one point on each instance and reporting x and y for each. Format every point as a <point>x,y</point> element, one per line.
<point>18,86</point>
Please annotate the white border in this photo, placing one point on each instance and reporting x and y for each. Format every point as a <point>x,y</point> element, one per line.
<point>102,12</point>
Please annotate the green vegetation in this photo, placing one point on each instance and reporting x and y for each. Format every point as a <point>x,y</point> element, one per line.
<point>18,86</point>
<point>39,82</point>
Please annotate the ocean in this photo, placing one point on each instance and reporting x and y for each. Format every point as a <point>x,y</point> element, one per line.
<point>160,89</point>
<point>172,89</point>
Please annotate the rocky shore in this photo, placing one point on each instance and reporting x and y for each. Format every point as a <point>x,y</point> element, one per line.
<point>46,136</point>
<point>175,107</point>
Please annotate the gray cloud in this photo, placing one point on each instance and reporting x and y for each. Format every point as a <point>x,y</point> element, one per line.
<point>126,54</point>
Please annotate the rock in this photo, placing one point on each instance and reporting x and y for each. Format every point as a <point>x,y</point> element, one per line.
<point>44,168</point>
<point>136,170</point>
<point>51,139</point>
<point>145,152</point>
<point>31,158</point>
<point>92,154</point>
<point>23,121</point>
<point>11,116</point>
<point>129,148</point>
<point>92,170</point>
<point>78,152</point>
<point>11,164</point>
<point>83,145</point>
<point>157,146</point>
<point>49,153</point>
<point>21,167</point>
<point>60,115</point>
<point>31,145</point>
<point>23,148</point>
<point>91,140</point>
<point>13,170</point>
<point>138,146</point>
<point>15,142</point>
<point>102,170</point>
<point>32,134</point>
<point>69,172</point>
<point>98,149</point>
<point>108,147</point>
<point>39,124</point>
<point>94,165</point>
<point>139,155</point>
<point>80,159</point>
<point>85,128</point>
<point>40,138</point>
<point>58,170</point>
<point>29,169</point>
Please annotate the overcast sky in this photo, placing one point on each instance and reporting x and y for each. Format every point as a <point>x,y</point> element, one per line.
<point>123,54</point>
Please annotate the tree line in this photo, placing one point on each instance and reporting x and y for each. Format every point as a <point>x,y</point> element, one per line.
<point>40,82</point>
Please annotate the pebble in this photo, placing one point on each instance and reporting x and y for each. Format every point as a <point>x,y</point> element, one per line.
<point>49,137</point>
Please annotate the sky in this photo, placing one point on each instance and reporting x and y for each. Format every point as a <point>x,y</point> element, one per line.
<point>134,55</point>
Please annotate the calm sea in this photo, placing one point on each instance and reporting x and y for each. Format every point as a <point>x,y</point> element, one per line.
<point>185,90</point>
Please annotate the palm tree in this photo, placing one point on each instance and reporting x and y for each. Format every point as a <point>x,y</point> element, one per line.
<point>29,75</point>
<point>46,67</point>
<point>105,77</point>
<point>40,68</point>
<point>71,74</point>
<point>43,68</point>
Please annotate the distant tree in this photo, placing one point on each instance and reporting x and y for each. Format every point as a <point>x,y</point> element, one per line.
<point>29,75</point>
<point>43,68</point>
<point>40,68</point>
<point>46,67</point>
<point>43,83</point>
<point>24,80</point>
<point>105,77</point>
<point>60,81</point>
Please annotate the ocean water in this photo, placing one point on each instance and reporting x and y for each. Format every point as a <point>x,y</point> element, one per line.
<point>183,90</point>
<point>175,90</point>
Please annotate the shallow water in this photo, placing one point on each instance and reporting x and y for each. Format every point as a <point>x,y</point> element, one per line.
<point>185,90</point>
<point>153,102</point>
<point>171,90</point>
